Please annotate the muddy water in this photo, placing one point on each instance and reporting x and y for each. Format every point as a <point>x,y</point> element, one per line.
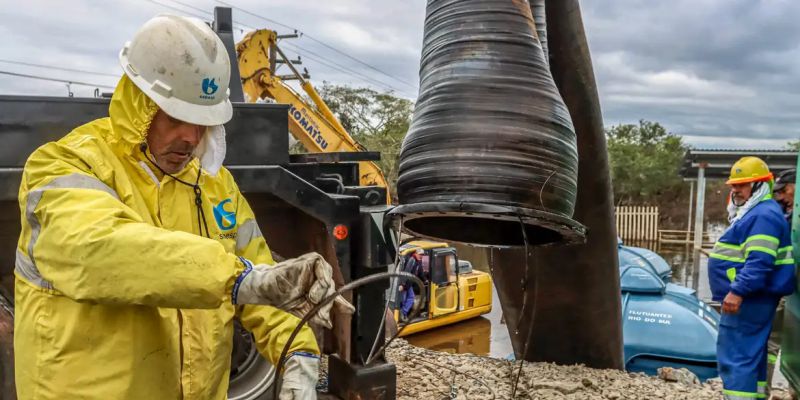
<point>487,335</point>
<point>680,258</point>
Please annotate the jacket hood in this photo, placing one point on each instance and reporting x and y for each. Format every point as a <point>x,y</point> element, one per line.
<point>131,113</point>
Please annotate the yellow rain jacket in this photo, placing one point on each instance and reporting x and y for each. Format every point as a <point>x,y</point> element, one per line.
<point>117,294</point>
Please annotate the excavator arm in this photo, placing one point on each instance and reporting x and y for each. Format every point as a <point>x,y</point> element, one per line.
<point>316,127</point>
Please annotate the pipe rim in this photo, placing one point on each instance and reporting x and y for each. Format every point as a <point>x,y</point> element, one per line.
<point>495,216</point>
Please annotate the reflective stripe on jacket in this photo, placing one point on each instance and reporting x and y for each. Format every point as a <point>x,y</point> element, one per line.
<point>117,294</point>
<point>754,256</point>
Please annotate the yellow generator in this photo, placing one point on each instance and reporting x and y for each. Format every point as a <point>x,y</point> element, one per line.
<point>454,291</point>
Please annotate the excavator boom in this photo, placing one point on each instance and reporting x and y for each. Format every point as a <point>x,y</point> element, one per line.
<point>315,126</point>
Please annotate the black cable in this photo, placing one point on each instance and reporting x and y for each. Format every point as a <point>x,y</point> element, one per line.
<point>382,325</point>
<point>533,313</point>
<point>346,288</point>
<point>198,192</point>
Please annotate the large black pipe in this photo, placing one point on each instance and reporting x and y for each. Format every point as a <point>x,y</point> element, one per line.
<point>577,295</point>
<point>491,146</point>
<point>539,17</point>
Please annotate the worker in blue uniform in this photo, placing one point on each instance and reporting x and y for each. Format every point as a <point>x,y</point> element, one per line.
<point>783,193</point>
<point>750,268</point>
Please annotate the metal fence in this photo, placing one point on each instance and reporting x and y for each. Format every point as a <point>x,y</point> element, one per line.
<point>637,222</point>
<point>667,236</point>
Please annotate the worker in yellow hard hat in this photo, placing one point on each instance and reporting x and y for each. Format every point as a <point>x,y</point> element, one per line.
<point>750,268</point>
<point>138,251</point>
<point>745,173</point>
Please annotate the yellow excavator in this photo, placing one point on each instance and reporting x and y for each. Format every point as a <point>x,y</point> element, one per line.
<point>315,126</point>
<point>454,291</point>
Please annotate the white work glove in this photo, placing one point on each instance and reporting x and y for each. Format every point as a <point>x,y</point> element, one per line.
<point>300,377</point>
<point>295,285</point>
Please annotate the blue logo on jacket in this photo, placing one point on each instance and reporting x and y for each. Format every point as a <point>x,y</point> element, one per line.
<point>209,88</point>
<point>226,220</point>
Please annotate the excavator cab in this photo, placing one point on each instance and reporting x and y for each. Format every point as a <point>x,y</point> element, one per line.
<point>453,291</point>
<point>443,292</point>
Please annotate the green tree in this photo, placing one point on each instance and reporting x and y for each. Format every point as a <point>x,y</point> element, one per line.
<point>377,120</point>
<point>794,145</point>
<point>645,161</point>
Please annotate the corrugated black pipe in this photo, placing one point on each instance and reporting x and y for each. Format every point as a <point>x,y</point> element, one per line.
<point>577,309</point>
<point>540,17</point>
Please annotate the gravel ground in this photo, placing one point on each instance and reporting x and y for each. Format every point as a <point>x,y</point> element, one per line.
<point>425,374</point>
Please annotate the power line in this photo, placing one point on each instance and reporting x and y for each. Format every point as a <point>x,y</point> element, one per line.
<point>177,9</point>
<point>338,67</point>
<point>207,12</point>
<point>256,15</point>
<point>297,48</point>
<point>192,7</point>
<point>411,85</point>
<point>330,64</point>
<point>320,42</point>
<point>58,68</point>
<point>45,78</point>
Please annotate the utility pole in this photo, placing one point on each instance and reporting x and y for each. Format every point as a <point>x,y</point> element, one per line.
<point>698,223</point>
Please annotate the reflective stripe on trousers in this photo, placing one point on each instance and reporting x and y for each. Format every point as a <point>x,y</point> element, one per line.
<point>731,395</point>
<point>734,395</point>
<point>742,348</point>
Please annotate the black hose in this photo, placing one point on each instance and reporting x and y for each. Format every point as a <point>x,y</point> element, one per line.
<point>521,314</point>
<point>393,290</point>
<point>348,287</point>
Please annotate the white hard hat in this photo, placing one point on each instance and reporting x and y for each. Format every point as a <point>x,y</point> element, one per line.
<point>183,66</point>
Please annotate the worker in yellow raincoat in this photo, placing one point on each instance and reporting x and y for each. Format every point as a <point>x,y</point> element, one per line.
<point>137,249</point>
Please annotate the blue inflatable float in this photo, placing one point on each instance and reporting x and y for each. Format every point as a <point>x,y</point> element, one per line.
<point>664,324</point>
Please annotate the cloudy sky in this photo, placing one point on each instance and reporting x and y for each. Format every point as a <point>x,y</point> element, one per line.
<point>721,73</point>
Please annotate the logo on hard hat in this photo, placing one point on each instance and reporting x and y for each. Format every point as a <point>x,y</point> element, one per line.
<point>226,220</point>
<point>209,88</point>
